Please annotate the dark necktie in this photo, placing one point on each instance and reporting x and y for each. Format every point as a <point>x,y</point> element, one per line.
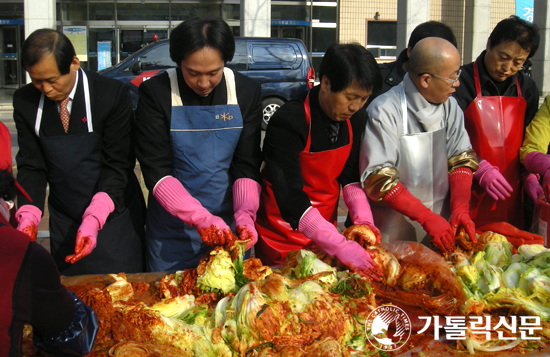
<point>333,131</point>
<point>64,114</point>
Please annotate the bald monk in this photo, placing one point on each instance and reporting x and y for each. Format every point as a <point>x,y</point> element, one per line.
<point>415,150</point>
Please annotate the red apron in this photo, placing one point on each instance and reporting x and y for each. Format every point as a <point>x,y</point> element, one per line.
<point>495,127</point>
<point>320,171</point>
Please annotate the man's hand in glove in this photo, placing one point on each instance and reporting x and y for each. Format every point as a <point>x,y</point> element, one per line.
<point>213,230</point>
<point>315,227</point>
<point>401,200</point>
<point>246,200</point>
<point>93,220</point>
<point>175,199</point>
<point>28,219</point>
<point>460,181</point>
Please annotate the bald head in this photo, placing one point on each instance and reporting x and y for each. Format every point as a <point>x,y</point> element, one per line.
<point>434,67</point>
<point>431,54</point>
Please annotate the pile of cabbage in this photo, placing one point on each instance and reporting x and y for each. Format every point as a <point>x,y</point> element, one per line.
<point>314,311</point>
<point>496,279</point>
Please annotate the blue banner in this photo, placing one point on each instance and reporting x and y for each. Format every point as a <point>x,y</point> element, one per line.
<point>290,23</point>
<point>524,9</point>
<point>12,22</point>
<point>103,54</point>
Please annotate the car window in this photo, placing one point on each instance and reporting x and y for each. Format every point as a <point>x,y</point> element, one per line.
<point>274,56</point>
<point>157,58</point>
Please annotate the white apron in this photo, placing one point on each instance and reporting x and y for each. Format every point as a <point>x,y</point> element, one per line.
<point>423,169</point>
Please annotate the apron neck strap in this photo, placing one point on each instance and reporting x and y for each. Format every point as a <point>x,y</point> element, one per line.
<point>404,109</point>
<point>87,102</point>
<point>308,121</point>
<point>478,86</point>
<point>229,81</point>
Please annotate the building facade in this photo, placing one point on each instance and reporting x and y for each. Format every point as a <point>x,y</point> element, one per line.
<point>107,31</point>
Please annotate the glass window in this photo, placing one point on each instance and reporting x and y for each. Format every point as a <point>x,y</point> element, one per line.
<point>74,11</point>
<point>102,11</point>
<point>145,12</point>
<point>290,12</point>
<point>157,58</point>
<point>181,12</point>
<point>324,13</point>
<point>267,55</point>
<point>231,12</point>
<point>11,11</point>
<point>322,38</point>
<point>382,33</point>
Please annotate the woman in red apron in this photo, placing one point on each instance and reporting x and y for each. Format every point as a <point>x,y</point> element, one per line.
<point>498,102</point>
<point>311,148</point>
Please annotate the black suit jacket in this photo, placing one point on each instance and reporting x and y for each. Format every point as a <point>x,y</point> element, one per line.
<point>112,118</point>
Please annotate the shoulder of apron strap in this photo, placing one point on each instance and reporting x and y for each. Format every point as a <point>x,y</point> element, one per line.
<point>174,87</point>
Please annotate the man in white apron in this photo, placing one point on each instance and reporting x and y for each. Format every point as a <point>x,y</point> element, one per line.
<point>75,138</point>
<point>415,149</point>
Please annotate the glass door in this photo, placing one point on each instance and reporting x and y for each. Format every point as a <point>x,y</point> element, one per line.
<point>131,40</point>
<point>101,48</point>
<point>10,73</point>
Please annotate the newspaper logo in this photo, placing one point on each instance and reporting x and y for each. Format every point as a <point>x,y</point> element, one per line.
<point>388,328</point>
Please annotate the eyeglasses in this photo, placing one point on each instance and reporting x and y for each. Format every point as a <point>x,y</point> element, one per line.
<point>452,81</point>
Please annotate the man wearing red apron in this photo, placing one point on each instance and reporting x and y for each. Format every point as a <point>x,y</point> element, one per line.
<point>311,148</point>
<point>499,101</point>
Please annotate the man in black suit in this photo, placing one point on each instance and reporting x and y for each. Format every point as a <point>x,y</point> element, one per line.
<point>75,134</point>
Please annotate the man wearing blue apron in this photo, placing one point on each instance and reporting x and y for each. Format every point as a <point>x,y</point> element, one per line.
<point>198,142</point>
<point>416,149</point>
<point>75,135</point>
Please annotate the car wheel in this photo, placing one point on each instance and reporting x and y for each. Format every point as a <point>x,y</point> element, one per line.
<point>270,106</point>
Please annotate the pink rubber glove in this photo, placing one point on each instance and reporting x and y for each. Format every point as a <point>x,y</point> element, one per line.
<point>492,181</point>
<point>93,220</point>
<point>315,227</point>
<point>539,163</point>
<point>460,181</point>
<point>175,199</point>
<point>532,186</point>
<point>28,218</point>
<point>246,201</point>
<point>358,206</point>
<point>401,200</point>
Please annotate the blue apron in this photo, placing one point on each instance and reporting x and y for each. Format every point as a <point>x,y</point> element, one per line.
<point>203,141</point>
<point>74,164</point>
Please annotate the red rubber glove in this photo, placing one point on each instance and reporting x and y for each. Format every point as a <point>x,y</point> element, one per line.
<point>175,199</point>
<point>539,163</point>
<point>460,181</point>
<point>401,200</point>
<point>28,218</point>
<point>246,201</point>
<point>358,206</point>
<point>93,220</point>
<point>532,186</point>
<point>350,253</point>
<point>492,181</point>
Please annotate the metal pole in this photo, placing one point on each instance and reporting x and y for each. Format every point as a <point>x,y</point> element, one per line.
<point>311,27</point>
<point>117,36</point>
